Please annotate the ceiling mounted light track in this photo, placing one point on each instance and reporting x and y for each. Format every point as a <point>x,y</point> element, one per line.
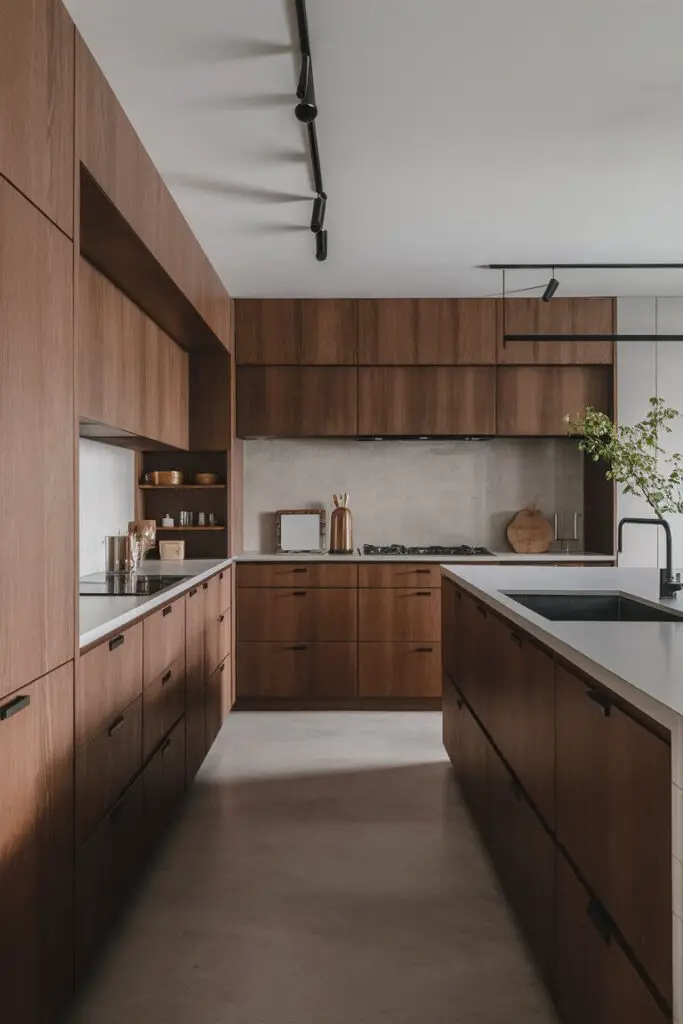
<point>553,285</point>
<point>306,112</point>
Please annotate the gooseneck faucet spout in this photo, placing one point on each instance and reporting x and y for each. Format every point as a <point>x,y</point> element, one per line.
<point>668,584</point>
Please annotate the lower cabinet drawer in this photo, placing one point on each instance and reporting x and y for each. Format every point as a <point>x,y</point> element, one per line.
<point>381,574</point>
<point>218,700</point>
<point>399,614</point>
<point>297,670</point>
<point>164,639</point>
<point>163,782</point>
<point>399,669</point>
<point>106,867</point>
<point>163,705</point>
<point>225,589</point>
<point>106,765</point>
<point>298,615</point>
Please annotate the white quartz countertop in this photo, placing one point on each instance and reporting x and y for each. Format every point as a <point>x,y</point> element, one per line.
<point>640,661</point>
<point>100,616</point>
<point>499,556</point>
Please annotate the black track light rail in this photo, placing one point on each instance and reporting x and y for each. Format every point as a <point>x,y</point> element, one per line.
<point>583,266</point>
<point>306,111</point>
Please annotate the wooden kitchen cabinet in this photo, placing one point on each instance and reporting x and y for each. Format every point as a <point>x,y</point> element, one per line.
<point>297,615</point>
<point>164,640</point>
<point>328,332</point>
<point>212,610</point>
<point>37,105</point>
<point>400,574</point>
<point>613,813</point>
<point>417,400</point>
<point>298,671</point>
<point>217,702</point>
<point>163,782</point>
<point>472,637</point>
<point>195,685</point>
<point>427,331</point>
<point>596,983</point>
<point>561,316</point>
<point>36,849</point>
<point>534,400</point>
<point>296,401</point>
<point>387,331</point>
<point>296,332</point>
<point>295,574</point>
<point>399,669</point>
<point>36,427</point>
<point>108,678</point>
<point>163,704</point>
<point>468,750</point>
<point>399,614</point>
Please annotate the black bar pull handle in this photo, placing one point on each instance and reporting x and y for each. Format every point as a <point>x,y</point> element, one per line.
<point>601,700</point>
<point>192,592</point>
<point>165,745</point>
<point>516,639</point>
<point>299,593</point>
<point>424,650</point>
<point>117,641</point>
<point>220,575</point>
<point>13,707</point>
<point>304,569</point>
<point>221,618</point>
<point>167,610</point>
<point>423,593</point>
<point>222,668</point>
<point>298,647</point>
<point>598,917</point>
<point>116,725</point>
<point>423,572</point>
<point>166,676</point>
<point>481,609</point>
<point>205,586</point>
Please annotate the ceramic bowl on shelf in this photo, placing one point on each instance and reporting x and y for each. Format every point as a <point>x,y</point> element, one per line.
<point>206,478</point>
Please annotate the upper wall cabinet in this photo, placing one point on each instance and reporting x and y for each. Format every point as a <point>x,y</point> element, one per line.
<point>37,449</point>
<point>290,401</point>
<point>561,316</point>
<point>534,400</point>
<point>292,332</point>
<point>37,104</point>
<point>398,400</point>
<point>428,331</point>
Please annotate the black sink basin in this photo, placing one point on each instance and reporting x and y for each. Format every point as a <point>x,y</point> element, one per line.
<point>593,608</point>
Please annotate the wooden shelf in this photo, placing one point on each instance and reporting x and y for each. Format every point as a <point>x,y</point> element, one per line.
<point>182,487</point>
<point>188,529</point>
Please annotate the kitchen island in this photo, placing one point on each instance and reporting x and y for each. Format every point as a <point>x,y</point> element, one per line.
<point>566,739</point>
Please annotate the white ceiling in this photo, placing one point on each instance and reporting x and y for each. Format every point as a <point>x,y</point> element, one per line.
<point>452,133</point>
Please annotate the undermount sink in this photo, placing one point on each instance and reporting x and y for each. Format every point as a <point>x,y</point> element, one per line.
<point>593,608</point>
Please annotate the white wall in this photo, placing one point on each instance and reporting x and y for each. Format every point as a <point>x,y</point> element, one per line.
<point>106,499</point>
<point>645,369</point>
<point>410,492</point>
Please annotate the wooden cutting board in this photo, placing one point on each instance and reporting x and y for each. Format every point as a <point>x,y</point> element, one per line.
<point>530,533</point>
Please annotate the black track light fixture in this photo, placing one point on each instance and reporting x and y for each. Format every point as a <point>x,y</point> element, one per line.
<point>304,74</point>
<point>318,218</point>
<point>551,287</point>
<point>306,109</point>
<point>321,246</point>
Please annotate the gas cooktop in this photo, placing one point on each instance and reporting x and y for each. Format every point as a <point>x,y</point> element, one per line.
<point>102,584</point>
<point>461,550</point>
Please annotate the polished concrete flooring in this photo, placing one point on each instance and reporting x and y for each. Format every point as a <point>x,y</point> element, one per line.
<point>321,871</point>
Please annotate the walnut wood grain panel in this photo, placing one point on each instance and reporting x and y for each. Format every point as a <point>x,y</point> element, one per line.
<point>561,316</point>
<point>218,700</point>
<point>328,332</point>
<point>225,589</point>
<point>37,104</point>
<point>212,636</point>
<point>210,400</point>
<point>195,681</point>
<point>268,331</point>
<point>293,574</point>
<point>426,400</point>
<point>399,669</point>
<point>36,451</point>
<point>163,782</point>
<point>302,670</point>
<point>387,331</point>
<point>36,849</point>
<point>457,331</point>
<point>106,765</point>
<point>163,705</point>
<point>401,574</point>
<point>301,401</point>
<point>163,639</point>
<point>534,400</point>
<point>302,614</point>
<point>108,678</point>
<point>399,614</point>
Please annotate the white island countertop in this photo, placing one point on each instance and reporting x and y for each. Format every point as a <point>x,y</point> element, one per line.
<point>640,661</point>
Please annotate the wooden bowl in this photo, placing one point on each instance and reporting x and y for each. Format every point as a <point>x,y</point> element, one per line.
<point>206,478</point>
<point>165,478</point>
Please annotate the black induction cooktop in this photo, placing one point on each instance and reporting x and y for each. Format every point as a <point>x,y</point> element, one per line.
<point>102,584</point>
<point>460,550</point>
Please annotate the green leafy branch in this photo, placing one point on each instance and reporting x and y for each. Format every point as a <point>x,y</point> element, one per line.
<point>634,455</point>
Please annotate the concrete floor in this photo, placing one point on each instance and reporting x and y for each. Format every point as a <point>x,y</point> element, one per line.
<point>321,871</point>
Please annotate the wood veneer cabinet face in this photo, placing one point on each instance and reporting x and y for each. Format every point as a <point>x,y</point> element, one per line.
<point>561,316</point>
<point>37,452</point>
<point>195,715</point>
<point>297,671</point>
<point>445,332</point>
<point>426,400</point>
<point>297,615</point>
<point>534,400</point>
<point>37,104</point>
<point>296,401</point>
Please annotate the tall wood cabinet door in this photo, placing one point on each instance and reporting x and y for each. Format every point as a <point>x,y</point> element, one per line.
<point>296,401</point>
<point>387,332</point>
<point>328,332</point>
<point>36,849</point>
<point>268,331</point>
<point>561,316</point>
<point>175,399</point>
<point>195,684</point>
<point>457,331</point>
<point>37,451</point>
<point>534,400</point>
<point>37,104</point>
<point>216,706</point>
<point>419,400</point>
<point>212,611</point>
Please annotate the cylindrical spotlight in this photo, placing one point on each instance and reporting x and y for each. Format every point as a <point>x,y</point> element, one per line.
<point>318,218</point>
<point>321,246</point>
<point>306,110</point>
<point>303,76</point>
<point>550,289</point>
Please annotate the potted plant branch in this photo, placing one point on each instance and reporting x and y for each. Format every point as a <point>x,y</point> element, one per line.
<point>634,455</point>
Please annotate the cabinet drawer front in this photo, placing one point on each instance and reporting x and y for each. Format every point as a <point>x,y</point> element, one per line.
<point>399,575</point>
<point>399,670</point>
<point>108,678</point>
<point>224,634</point>
<point>225,589</point>
<point>217,700</point>
<point>106,765</point>
<point>295,574</point>
<point>314,670</point>
<point>163,781</point>
<point>164,639</point>
<point>163,705</point>
<point>397,614</point>
<point>305,615</point>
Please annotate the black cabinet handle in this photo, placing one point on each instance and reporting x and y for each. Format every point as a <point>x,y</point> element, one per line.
<point>481,609</point>
<point>165,745</point>
<point>222,668</point>
<point>423,593</point>
<point>424,650</point>
<point>299,593</point>
<point>601,700</point>
<point>166,676</point>
<point>116,725</point>
<point>167,610</point>
<point>220,575</point>
<point>423,572</point>
<point>297,570</point>
<point>599,918</point>
<point>13,707</point>
<point>205,586</point>
<point>192,592</point>
<point>117,641</point>
<point>516,639</point>
<point>297,647</point>
<point>221,618</point>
